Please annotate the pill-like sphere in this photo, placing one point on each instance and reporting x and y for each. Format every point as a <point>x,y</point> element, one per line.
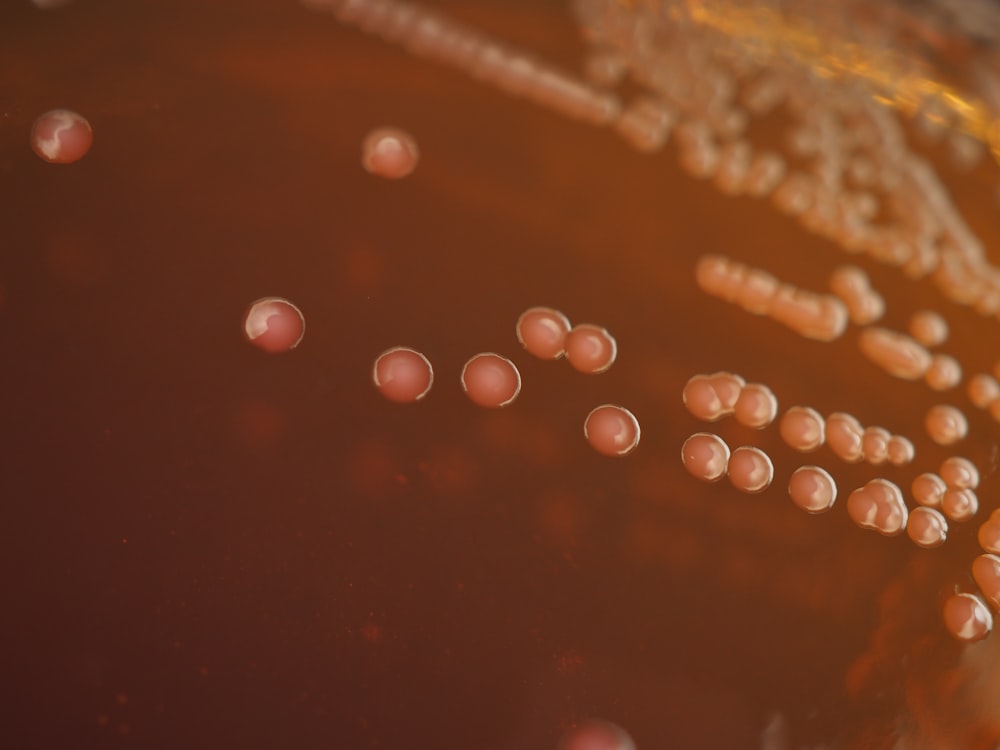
<point>542,332</point>
<point>389,152</point>
<point>943,373</point>
<point>959,504</point>
<point>490,380</point>
<point>844,435</point>
<point>802,428</point>
<point>612,430</point>
<point>705,456</point>
<point>946,425</point>
<point>756,406</point>
<point>960,472</point>
<point>901,450</point>
<point>967,618</point>
<point>929,328</point>
<point>928,489</point>
<point>403,375</point>
<point>274,325</point>
<point>750,470</point>
<point>812,489</point>
<point>983,390</point>
<point>927,527</point>
<point>61,136</point>
<point>590,349</point>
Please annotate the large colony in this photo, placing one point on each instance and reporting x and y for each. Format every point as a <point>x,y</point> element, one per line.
<point>61,136</point>
<point>389,153</point>
<point>274,324</point>
<point>595,734</point>
<point>403,375</point>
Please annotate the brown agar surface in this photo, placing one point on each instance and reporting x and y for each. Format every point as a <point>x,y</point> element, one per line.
<point>208,545</point>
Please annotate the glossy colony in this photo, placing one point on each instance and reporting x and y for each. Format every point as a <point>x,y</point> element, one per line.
<point>803,428</point>
<point>927,527</point>
<point>846,172</point>
<point>812,489</point>
<point>612,430</point>
<point>929,327</point>
<point>389,152</point>
<point>491,380</point>
<point>750,469</point>
<point>966,617</point>
<point>756,406</point>
<point>705,456</point>
<point>274,324</point>
<point>542,332</point>
<point>403,375</point>
<point>946,425</point>
<point>61,136</point>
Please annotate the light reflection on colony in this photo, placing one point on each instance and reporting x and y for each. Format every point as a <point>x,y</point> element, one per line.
<point>274,325</point>
<point>491,380</point>
<point>705,456</point>
<point>542,332</point>
<point>61,136</point>
<point>403,375</point>
<point>389,152</point>
<point>812,489</point>
<point>612,430</point>
<point>590,349</point>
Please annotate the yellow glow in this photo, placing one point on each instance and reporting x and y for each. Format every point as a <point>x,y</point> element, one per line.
<point>894,80</point>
